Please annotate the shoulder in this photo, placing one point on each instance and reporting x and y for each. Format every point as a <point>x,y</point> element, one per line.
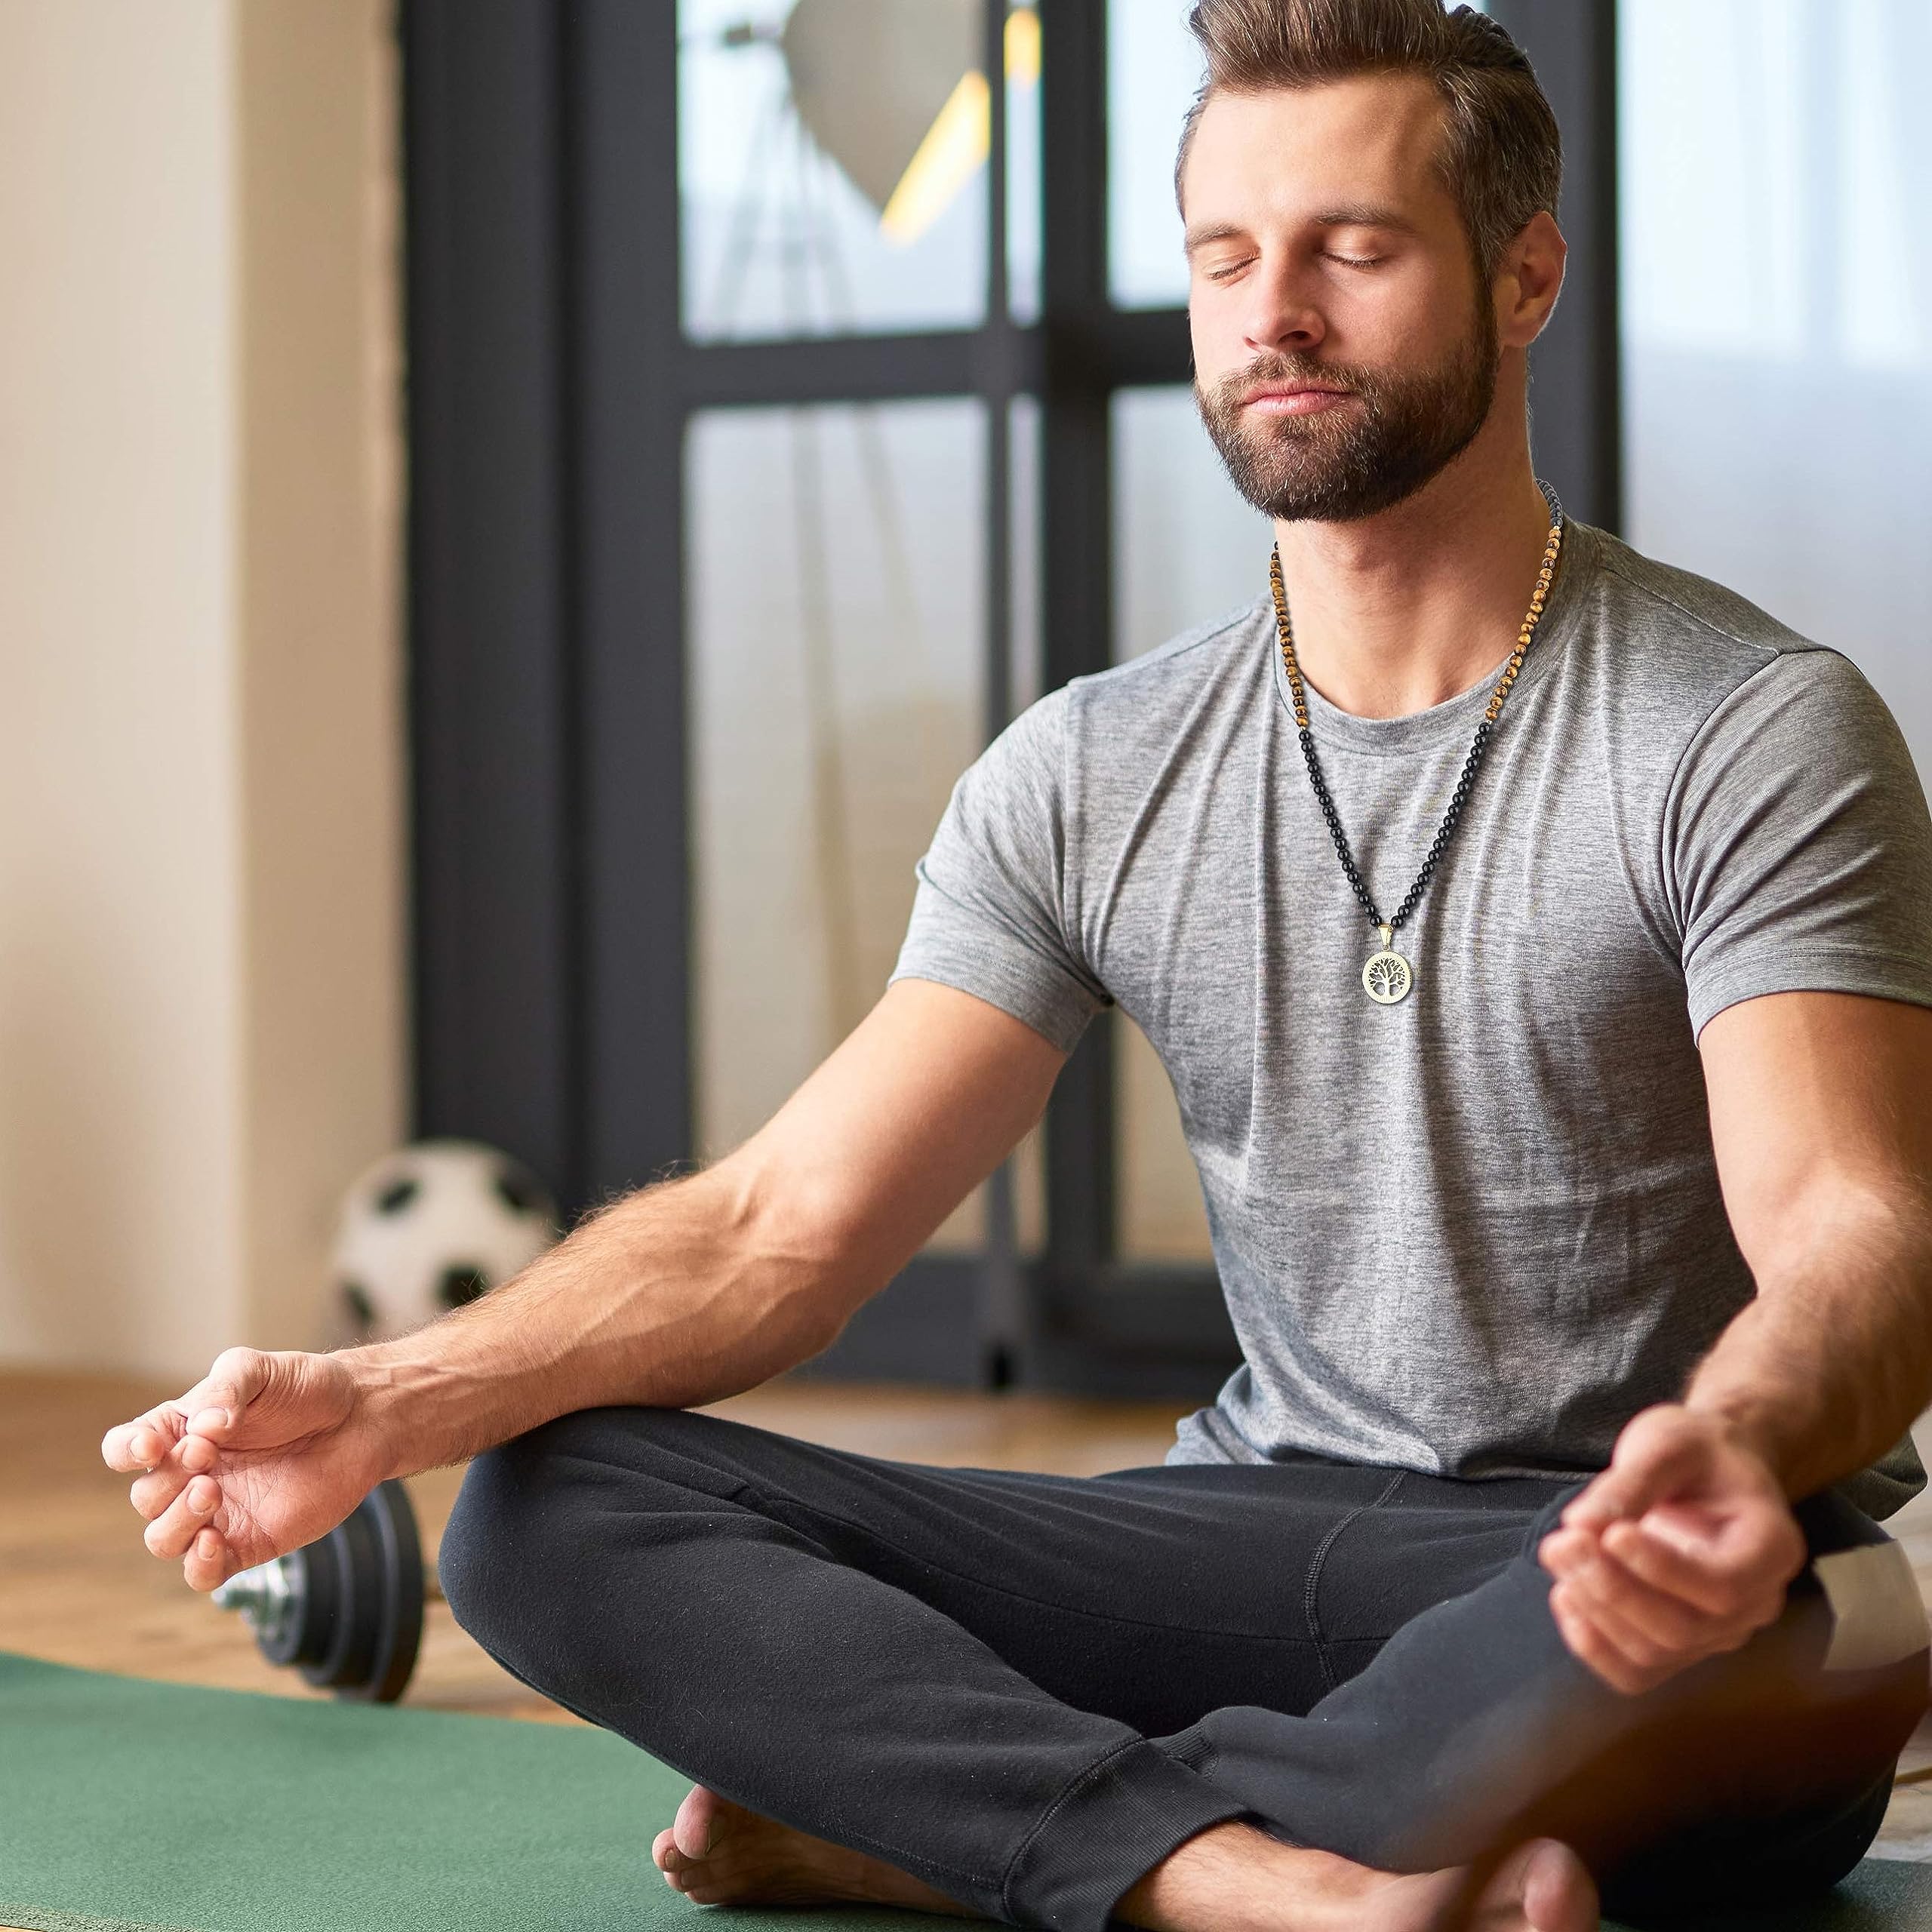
<point>1150,697</point>
<point>1679,659</point>
<point>1675,624</point>
<point>1154,692</point>
<point>1705,641</point>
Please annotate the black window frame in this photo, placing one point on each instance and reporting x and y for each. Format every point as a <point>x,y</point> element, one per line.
<point>549,388</point>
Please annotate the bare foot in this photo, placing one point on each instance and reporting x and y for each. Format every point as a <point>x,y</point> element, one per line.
<point>1233,1878</point>
<point>1230,1878</point>
<point>717,1853</point>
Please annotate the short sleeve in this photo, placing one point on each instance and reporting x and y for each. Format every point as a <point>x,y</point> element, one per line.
<point>1797,851</point>
<point>988,917</point>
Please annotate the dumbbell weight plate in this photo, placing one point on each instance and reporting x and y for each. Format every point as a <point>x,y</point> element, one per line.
<point>369,1649</point>
<point>346,1609</point>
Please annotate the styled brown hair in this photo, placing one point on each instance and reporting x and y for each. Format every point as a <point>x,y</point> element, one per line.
<point>1501,157</point>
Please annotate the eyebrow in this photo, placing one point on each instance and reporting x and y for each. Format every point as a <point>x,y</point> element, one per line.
<point>1364,214</point>
<point>1356,215</point>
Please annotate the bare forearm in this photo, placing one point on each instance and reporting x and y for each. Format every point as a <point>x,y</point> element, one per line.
<point>1831,1363</point>
<point>678,1295</point>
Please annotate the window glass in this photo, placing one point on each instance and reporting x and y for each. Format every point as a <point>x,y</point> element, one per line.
<point>1023,163</point>
<point>1187,549</point>
<point>1024,664</point>
<point>837,633</point>
<point>1776,277</point>
<point>832,171</point>
<point>1024,539</point>
<point>1153,72</point>
<point>1186,546</point>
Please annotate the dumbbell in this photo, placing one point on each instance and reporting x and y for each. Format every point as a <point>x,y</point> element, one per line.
<point>346,1610</point>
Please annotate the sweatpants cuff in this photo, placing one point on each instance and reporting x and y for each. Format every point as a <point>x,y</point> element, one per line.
<point>1110,1827</point>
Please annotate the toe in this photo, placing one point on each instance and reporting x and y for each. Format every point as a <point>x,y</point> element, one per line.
<point>1559,1893</point>
<point>1541,1886</point>
<point>694,1830</point>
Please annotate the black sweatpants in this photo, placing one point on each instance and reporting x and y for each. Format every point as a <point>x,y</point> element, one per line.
<point>1026,1690</point>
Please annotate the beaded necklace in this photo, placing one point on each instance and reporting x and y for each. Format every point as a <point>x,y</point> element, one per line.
<point>1388,977</point>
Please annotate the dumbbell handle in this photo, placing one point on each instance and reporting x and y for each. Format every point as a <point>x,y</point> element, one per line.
<point>263,1595</point>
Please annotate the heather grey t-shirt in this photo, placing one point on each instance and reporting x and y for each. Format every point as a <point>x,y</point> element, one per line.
<point>1473,1233</point>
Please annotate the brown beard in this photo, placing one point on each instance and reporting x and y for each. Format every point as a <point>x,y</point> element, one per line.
<point>1402,427</point>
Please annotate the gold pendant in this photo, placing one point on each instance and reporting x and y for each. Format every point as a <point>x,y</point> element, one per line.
<point>1388,977</point>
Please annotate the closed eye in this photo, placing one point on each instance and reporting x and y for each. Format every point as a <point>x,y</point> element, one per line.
<point>1347,261</point>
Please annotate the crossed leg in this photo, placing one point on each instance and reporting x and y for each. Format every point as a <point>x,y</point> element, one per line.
<point>1290,1696</point>
<point>1231,1877</point>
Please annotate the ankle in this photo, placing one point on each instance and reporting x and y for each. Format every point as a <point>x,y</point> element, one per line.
<point>1210,1883</point>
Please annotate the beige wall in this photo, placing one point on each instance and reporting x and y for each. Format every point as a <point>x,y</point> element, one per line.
<point>320,669</point>
<point>200,1029</point>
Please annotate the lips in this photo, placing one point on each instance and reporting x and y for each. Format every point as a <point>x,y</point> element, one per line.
<point>1283,392</point>
<point>1305,399</point>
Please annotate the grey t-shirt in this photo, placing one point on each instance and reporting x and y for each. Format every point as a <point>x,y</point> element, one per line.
<point>1473,1233</point>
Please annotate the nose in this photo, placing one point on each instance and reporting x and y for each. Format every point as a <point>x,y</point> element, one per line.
<point>1281,315</point>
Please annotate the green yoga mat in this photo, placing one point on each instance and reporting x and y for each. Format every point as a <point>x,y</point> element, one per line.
<point>128,1806</point>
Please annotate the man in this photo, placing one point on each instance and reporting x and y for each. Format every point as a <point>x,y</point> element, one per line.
<point>1571,1204</point>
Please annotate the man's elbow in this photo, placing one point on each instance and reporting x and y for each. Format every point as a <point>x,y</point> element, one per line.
<point>1846,1222</point>
<point>806,1240</point>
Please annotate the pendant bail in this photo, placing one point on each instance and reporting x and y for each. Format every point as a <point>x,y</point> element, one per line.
<point>1388,932</point>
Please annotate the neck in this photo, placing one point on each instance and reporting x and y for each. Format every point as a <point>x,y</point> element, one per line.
<point>1405,610</point>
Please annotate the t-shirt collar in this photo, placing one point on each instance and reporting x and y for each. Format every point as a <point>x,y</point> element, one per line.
<point>1455,717</point>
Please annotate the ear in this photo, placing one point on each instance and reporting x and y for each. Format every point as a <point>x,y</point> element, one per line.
<point>1529,280</point>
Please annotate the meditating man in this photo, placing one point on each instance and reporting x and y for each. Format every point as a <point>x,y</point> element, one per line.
<point>1537,939</point>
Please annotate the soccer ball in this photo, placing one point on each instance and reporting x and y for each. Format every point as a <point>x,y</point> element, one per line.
<point>430,1229</point>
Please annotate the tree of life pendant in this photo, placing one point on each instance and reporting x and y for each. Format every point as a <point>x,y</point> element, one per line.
<point>1388,977</point>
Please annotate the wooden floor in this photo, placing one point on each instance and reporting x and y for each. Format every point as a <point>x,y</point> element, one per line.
<point>79,1588</point>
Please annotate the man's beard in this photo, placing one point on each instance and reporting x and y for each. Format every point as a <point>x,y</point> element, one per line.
<point>1399,428</point>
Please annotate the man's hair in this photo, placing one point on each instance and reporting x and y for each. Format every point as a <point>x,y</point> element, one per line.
<point>1501,157</point>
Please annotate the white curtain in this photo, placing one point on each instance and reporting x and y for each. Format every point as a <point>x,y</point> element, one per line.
<point>1777,278</point>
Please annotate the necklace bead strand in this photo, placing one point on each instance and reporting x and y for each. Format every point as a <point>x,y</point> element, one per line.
<point>1298,694</point>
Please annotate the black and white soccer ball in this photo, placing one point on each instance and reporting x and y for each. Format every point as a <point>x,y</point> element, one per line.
<point>431,1228</point>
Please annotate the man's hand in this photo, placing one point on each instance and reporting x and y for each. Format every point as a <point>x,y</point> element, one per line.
<point>266,1453</point>
<point>1681,1550</point>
